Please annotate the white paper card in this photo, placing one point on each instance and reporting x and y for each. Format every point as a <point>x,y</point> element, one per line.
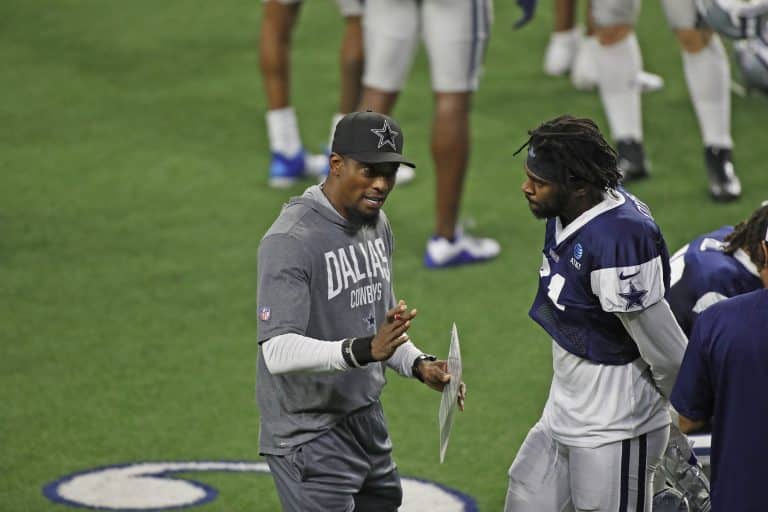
<point>448,403</point>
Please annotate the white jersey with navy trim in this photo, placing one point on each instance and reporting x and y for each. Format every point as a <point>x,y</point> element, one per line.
<point>610,260</point>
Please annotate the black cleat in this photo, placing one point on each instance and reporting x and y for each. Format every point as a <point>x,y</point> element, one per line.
<point>631,161</point>
<point>724,185</point>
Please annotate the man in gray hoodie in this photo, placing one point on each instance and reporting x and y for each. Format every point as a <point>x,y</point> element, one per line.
<point>329,324</point>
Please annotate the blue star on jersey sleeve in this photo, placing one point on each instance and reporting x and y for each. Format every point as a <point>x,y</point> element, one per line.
<point>634,297</point>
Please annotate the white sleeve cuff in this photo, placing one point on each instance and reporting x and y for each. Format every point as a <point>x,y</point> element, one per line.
<point>294,353</point>
<point>403,358</point>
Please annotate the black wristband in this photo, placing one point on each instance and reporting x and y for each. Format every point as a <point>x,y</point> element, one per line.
<point>361,350</point>
<point>415,368</point>
<point>346,353</point>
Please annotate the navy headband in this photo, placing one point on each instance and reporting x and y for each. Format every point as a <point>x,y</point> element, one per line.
<point>543,168</point>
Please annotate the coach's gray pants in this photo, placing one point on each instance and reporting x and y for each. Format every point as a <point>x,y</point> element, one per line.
<point>349,467</point>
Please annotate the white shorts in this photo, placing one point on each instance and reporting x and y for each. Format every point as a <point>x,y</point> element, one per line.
<point>346,7</point>
<point>548,476</point>
<point>455,33</point>
<point>681,14</point>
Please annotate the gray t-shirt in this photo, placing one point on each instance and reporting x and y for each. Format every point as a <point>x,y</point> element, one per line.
<point>323,277</point>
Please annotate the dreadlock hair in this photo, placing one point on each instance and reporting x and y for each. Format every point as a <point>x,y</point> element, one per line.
<point>749,235</point>
<point>578,149</point>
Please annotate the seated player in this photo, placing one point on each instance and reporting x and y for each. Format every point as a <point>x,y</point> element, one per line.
<point>716,266</point>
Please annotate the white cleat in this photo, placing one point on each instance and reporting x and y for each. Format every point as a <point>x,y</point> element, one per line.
<point>316,165</point>
<point>561,51</point>
<point>584,71</point>
<point>405,175</point>
<point>584,75</point>
<point>463,250</point>
<point>650,82</point>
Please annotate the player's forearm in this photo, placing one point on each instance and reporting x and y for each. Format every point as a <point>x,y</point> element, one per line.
<point>690,426</point>
<point>403,358</point>
<point>660,341</point>
<point>294,353</point>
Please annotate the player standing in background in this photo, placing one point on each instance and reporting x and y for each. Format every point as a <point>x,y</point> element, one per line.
<point>722,383</point>
<point>707,74</point>
<point>290,162</point>
<point>569,51</point>
<point>328,326</point>
<point>616,345</point>
<point>716,266</point>
<point>455,33</point>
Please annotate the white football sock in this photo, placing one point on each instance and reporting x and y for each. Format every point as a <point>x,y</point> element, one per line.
<point>283,131</point>
<point>709,81</point>
<point>334,121</point>
<point>618,66</point>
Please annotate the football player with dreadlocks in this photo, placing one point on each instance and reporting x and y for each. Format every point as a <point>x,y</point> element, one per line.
<point>716,266</point>
<point>616,345</point>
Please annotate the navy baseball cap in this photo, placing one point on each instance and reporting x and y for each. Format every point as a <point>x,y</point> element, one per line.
<point>369,137</point>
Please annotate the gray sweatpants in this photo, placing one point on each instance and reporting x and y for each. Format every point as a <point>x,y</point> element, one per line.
<point>347,468</point>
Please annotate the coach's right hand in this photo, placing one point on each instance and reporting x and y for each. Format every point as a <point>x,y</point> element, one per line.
<point>393,332</point>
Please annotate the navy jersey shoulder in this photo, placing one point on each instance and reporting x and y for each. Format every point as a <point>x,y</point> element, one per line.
<point>625,236</point>
<point>611,259</point>
<point>706,274</point>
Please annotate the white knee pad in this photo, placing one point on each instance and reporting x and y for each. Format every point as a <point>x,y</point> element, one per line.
<point>681,14</point>
<point>607,13</point>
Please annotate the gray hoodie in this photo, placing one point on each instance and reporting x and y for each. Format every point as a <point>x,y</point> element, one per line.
<point>323,277</point>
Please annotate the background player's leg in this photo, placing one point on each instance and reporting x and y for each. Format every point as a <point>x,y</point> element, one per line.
<point>289,163</point>
<point>564,39</point>
<point>538,477</point>
<point>378,100</point>
<point>617,476</point>
<point>278,20</point>
<point>618,63</point>
<point>450,152</point>
<point>455,33</point>
<point>391,37</point>
<point>708,76</point>
<point>351,60</point>
<point>351,64</point>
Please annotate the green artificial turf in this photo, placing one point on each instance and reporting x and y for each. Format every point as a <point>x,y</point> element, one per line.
<point>133,194</point>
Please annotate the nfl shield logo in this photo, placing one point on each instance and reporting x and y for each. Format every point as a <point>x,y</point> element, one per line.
<point>264,314</point>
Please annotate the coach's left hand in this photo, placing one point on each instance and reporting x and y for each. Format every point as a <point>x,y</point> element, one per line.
<point>435,375</point>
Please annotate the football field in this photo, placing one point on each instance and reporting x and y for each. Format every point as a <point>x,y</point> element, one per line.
<point>133,195</point>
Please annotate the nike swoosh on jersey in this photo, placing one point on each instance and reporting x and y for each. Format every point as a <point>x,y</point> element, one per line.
<point>623,277</point>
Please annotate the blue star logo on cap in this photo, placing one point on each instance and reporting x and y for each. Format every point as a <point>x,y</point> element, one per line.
<point>634,297</point>
<point>386,135</point>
